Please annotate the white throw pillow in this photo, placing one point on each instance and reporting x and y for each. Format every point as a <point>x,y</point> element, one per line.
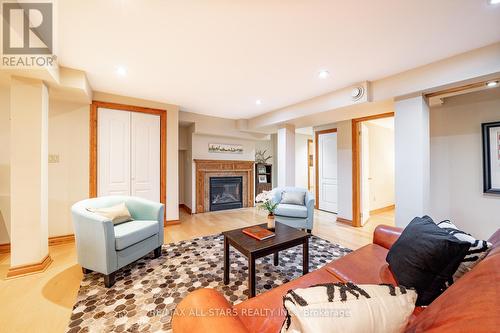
<point>117,213</point>
<point>346,307</point>
<point>477,251</point>
<point>293,198</point>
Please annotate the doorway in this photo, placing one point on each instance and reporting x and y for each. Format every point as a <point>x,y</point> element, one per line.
<point>127,151</point>
<point>326,170</point>
<point>310,166</point>
<point>373,168</point>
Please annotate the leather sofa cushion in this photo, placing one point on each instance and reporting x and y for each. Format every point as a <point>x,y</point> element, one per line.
<point>468,305</point>
<point>129,233</point>
<point>366,265</point>
<point>265,312</point>
<point>425,257</point>
<point>290,210</point>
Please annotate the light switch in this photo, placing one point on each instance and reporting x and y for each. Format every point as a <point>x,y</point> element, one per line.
<point>53,158</point>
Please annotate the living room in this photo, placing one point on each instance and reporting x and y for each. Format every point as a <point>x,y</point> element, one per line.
<point>247,173</point>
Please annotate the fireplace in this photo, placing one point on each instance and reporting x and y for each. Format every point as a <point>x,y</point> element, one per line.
<point>226,193</point>
<point>206,169</point>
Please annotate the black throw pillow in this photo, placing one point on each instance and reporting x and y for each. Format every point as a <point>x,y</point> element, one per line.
<point>425,257</point>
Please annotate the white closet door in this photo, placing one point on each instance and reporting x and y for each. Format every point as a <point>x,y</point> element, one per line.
<point>327,165</point>
<point>145,158</point>
<point>113,152</point>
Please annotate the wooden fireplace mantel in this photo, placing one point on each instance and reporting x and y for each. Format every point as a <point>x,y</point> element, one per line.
<point>207,168</point>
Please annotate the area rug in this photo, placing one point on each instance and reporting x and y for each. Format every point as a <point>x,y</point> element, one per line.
<point>147,291</point>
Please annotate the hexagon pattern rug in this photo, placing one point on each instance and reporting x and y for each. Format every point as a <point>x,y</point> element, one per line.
<point>147,291</point>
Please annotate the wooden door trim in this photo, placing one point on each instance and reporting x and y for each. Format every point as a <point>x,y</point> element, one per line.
<point>316,159</point>
<point>94,141</point>
<point>309,141</point>
<point>356,176</point>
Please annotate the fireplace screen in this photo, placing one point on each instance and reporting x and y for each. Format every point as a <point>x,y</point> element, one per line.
<point>226,193</point>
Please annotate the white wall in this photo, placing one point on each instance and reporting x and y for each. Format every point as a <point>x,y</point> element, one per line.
<point>183,152</point>
<point>274,144</point>
<point>286,156</point>
<point>29,110</point>
<point>4,164</point>
<point>189,172</point>
<point>200,148</point>
<point>266,145</point>
<point>412,159</point>
<point>344,157</point>
<point>182,170</point>
<point>183,134</point>
<point>301,159</point>
<point>456,163</point>
<point>68,179</point>
<point>381,166</point>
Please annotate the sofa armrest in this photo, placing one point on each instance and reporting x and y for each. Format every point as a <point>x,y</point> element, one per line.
<point>385,235</point>
<point>95,239</point>
<point>206,311</point>
<point>142,209</point>
<point>276,195</point>
<point>310,201</point>
<point>495,238</point>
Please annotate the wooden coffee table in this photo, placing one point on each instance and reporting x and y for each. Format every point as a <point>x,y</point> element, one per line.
<point>285,238</point>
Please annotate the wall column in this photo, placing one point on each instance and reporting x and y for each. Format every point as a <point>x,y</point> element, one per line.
<point>286,155</point>
<point>274,161</point>
<point>29,110</point>
<point>412,159</point>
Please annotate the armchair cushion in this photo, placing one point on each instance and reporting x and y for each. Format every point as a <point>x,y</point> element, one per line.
<point>129,233</point>
<point>117,213</point>
<point>290,210</point>
<point>293,198</point>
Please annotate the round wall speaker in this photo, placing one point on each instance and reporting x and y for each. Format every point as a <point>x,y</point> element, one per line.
<point>357,93</point>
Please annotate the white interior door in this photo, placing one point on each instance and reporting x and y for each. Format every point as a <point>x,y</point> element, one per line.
<point>145,157</point>
<point>327,169</point>
<point>365,174</point>
<point>113,169</point>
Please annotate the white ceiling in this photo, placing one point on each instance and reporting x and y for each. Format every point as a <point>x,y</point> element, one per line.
<point>217,57</point>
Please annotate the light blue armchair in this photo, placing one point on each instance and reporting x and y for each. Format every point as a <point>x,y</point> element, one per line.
<point>297,216</point>
<point>104,247</point>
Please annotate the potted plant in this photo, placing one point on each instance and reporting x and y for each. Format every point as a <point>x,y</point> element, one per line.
<point>266,203</point>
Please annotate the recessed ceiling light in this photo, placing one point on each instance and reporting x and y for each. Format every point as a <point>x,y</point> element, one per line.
<point>323,74</point>
<point>258,102</point>
<point>494,2</point>
<point>492,84</point>
<point>121,71</point>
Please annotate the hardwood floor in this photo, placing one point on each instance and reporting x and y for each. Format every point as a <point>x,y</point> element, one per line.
<point>43,302</point>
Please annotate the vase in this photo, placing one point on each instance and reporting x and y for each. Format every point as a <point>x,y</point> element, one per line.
<point>270,221</point>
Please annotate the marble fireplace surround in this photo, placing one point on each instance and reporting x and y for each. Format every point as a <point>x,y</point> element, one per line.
<point>222,168</point>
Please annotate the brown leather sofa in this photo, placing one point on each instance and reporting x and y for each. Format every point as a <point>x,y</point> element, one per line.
<point>472,304</point>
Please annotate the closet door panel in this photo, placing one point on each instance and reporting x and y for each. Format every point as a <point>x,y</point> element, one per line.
<point>113,152</point>
<point>145,156</point>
